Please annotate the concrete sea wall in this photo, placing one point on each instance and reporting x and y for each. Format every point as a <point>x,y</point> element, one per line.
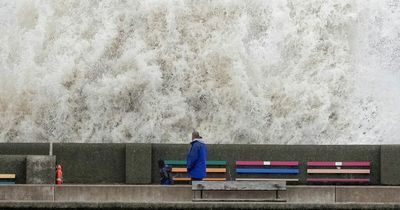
<point>137,163</point>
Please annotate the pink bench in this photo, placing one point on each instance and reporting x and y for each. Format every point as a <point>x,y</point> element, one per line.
<point>349,172</point>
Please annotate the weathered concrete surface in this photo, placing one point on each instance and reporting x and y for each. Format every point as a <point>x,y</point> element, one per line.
<point>189,205</point>
<point>14,164</point>
<point>40,169</point>
<point>377,194</point>
<point>389,166</point>
<point>24,148</point>
<point>183,193</point>
<point>309,194</point>
<point>91,163</point>
<point>294,194</point>
<point>27,192</point>
<point>123,193</point>
<point>138,164</point>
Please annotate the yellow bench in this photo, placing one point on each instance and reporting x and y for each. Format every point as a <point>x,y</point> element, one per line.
<point>178,171</point>
<point>7,179</point>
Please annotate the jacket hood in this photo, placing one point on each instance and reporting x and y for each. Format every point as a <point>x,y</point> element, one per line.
<point>199,140</point>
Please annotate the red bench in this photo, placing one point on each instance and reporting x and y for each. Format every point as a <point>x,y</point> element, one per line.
<point>338,172</point>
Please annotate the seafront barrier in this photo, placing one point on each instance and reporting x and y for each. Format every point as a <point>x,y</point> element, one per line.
<point>125,176</point>
<point>137,163</point>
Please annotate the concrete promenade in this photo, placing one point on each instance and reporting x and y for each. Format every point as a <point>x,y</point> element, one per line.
<point>190,205</point>
<point>180,196</point>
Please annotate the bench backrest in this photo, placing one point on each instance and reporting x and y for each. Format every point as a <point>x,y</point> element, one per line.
<point>257,170</point>
<point>338,172</point>
<point>216,170</point>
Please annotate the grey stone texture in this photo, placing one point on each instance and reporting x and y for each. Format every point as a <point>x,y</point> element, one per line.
<point>91,163</point>
<point>27,193</point>
<point>40,169</point>
<point>138,163</point>
<point>24,148</point>
<point>389,164</point>
<point>309,194</point>
<point>122,193</point>
<point>372,194</point>
<point>198,206</point>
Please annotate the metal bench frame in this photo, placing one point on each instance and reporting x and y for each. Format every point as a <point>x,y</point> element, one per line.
<point>198,187</point>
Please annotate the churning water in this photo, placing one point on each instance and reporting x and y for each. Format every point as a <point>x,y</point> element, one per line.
<point>279,71</point>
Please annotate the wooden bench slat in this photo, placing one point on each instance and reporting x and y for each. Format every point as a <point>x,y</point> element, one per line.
<point>267,171</point>
<point>6,182</point>
<point>338,171</point>
<point>266,163</point>
<point>330,180</point>
<point>208,170</point>
<point>7,176</point>
<point>205,179</point>
<point>266,179</point>
<point>344,163</point>
<point>238,186</point>
<point>208,162</point>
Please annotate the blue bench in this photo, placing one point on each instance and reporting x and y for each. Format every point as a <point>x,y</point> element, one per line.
<point>285,168</point>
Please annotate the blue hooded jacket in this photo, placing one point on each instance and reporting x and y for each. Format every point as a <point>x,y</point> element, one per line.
<point>196,159</point>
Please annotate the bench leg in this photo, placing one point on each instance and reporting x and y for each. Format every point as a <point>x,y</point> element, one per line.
<point>197,194</point>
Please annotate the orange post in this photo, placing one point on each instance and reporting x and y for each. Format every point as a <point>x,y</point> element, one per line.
<point>59,174</point>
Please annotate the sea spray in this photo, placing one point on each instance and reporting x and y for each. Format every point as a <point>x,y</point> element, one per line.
<point>276,72</point>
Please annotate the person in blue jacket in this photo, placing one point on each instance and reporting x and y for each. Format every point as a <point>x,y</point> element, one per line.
<point>196,158</point>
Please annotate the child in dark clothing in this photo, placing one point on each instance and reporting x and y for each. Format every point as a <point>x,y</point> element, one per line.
<point>165,173</point>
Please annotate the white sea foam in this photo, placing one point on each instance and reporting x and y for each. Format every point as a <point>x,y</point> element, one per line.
<point>281,72</point>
